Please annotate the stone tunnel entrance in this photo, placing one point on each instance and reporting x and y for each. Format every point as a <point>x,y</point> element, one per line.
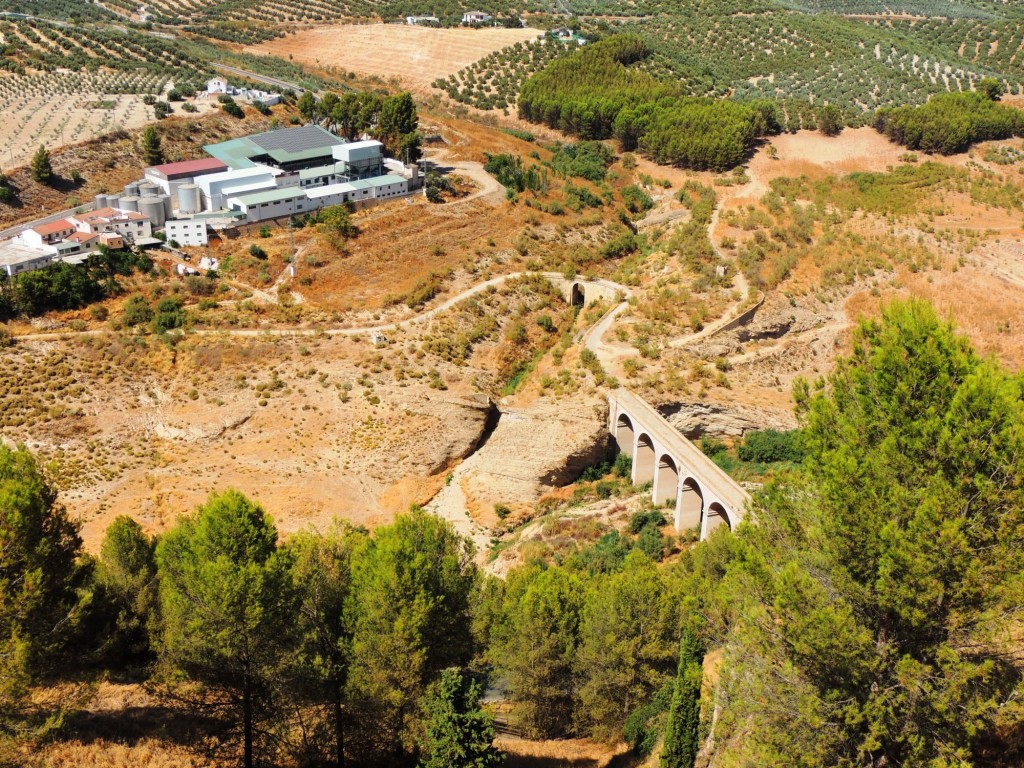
<point>578,295</point>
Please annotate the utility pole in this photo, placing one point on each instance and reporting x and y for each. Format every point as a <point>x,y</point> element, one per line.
<point>291,244</point>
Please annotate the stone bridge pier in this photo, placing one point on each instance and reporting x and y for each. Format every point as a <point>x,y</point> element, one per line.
<point>681,476</point>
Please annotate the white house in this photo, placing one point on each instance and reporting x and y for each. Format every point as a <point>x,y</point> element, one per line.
<point>413,20</point>
<point>217,85</point>
<point>475,17</point>
<point>186,231</point>
<point>131,225</point>
<point>47,234</point>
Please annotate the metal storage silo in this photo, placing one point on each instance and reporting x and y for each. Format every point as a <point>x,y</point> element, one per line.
<point>113,201</point>
<point>148,189</point>
<point>99,201</point>
<point>190,198</point>
<point>129,203</point>
<point>131,190</point>
<point>168,208</point>
<point>154,208</point>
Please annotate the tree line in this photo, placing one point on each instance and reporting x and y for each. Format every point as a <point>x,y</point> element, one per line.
<point>392,120</point>
<point>951,122</point>
<point>598,93</point>
<point>64,286</point>
<point>866,616</point>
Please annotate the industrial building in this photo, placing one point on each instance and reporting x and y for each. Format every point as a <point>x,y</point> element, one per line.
<point>279,173</point>
<point>272,175</point>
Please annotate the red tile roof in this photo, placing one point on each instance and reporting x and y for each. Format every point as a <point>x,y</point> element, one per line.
<point>190,167</point>
<point>53,227</point>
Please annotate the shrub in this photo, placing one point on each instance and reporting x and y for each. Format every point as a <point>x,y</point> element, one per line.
<point>137,311</point>
<point>771,445</point>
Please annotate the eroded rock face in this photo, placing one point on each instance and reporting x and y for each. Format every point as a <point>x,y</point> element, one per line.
<point>696,419</point>
<point>535,449</point>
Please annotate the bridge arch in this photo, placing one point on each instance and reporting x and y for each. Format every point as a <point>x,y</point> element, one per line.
<point>690,506</point>
<point>716,516</point>
<point>666,485</point>
<point>624,434</point>
<point>643,460</point>
<point>577,295</point>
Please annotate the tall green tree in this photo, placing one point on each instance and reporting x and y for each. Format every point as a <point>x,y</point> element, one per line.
<point>42,169</point>
<point>127,581</point>
<point>830,120</point>
<point>874,599</point>
<point>228,607</point>
<point>534,647</point>
<point>626,646</point>
<point>307,106</point>
<point>459,733</point>
<point>40,574</point>
<point>683,724</point>
<point>322,571</point>
<point>152,148</point>
<point>411,589</point>
<point>397,125</point>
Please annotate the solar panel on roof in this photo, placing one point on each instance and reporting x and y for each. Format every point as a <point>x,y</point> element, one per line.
<point>296,139</point>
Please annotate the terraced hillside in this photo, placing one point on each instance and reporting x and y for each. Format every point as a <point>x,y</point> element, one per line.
<point>803,53</point>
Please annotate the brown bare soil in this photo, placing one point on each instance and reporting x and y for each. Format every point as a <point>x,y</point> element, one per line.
<point>415,55</point>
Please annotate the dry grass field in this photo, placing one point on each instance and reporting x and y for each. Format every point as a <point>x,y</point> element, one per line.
<point>415,55</point>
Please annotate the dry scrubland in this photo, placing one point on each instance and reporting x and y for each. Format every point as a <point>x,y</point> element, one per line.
<point>951,232</point>
<point>316,426</point>
<point>415,55</point>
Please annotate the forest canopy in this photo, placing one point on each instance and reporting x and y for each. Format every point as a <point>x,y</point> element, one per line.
<point>951,122</point>
<point>595,93</point>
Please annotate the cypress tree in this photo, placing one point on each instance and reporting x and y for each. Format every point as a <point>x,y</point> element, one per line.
<point>152,151</point>
<point>681,739</point>
<point>42,170</point>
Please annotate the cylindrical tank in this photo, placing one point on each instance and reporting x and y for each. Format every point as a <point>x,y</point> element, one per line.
<point>168,209</point>
<point>154,208</point>
<point>189,198</point>
<point>99,202</point>
<point>113,201</point>
<point>131,190</point>
<point>129,203</point>
<point>148,189</point>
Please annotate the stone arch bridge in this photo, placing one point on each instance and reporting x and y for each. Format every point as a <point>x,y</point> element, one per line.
<point>681,476</point>
<point>699,491</point>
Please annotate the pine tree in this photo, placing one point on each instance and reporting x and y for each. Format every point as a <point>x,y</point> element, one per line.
<point>39,574</point>
<point>228,606</point>
<point>411,590</point>
<point>681,737</point>
<point>42,170</point>
<point>152,151</point>
<point>322,571</point>
<point>126,580</point>
<point>459,733</point>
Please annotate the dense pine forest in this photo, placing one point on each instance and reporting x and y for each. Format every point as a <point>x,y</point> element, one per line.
<point>866,615</point>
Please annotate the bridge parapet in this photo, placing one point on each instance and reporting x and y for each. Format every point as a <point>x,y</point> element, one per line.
<point>701,493</point>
